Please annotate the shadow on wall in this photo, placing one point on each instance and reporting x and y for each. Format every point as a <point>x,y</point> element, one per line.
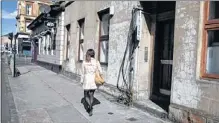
<point>125,86</point>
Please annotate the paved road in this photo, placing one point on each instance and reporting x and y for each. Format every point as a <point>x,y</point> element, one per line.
<point>8,112</point>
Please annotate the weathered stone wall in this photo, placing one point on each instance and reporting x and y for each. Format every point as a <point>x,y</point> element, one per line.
<point>118,35</point>
<point>192,99</point>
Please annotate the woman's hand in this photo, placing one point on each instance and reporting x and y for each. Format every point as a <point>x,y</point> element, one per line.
<point>101,75</point>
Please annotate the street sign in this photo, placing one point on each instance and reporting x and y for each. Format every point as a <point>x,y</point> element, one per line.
<point>49,24</point>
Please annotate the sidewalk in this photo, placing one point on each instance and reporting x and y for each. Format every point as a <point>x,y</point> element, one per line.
<point>42,96</point>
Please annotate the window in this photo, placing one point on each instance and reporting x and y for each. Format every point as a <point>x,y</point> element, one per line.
<point>27,30</point>
<point>68,41</point>
<point>28,9</point>
<point>81,40</point>
<point>53,40</point>
<point>210,57</point>
<point>40,45</point>
<point>44,44</point>
<point>39,12</point>
<point>48,40</point>
<point>104,36</point>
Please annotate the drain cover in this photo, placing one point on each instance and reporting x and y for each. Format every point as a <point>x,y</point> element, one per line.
<point>132,119</point>
<point>110,113</point>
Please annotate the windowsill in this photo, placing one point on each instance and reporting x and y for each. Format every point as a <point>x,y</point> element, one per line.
<point>208,80</point>
<point>210,76</point>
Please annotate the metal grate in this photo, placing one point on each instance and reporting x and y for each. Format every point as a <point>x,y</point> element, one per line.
<point>132,119</point>
<point>110,113</point>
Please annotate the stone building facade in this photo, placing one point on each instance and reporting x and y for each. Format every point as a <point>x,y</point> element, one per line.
<point>27,11</point>
<point>48,39</point>
<point>195,87</point>
<point>166,69</point>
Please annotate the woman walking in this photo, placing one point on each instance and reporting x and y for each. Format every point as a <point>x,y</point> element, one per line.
<point>89,67</point>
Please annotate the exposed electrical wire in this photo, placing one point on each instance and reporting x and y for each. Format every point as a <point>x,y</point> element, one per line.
<point>126,86</point>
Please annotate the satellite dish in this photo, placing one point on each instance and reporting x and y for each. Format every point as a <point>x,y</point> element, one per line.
<point>45,8</point>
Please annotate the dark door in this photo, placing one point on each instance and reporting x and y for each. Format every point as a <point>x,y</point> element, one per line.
<point>35,50</point>
<point>163,62</point>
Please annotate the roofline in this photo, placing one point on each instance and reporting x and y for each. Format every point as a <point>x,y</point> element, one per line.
<point>58,3</point>
<point>42,15</point>
<point>24,33</point>
<point>35,20</point>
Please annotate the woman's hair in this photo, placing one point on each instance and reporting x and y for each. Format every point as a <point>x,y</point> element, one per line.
<point>90,53</point>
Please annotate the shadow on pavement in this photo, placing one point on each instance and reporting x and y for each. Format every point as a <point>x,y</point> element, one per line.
<point>84,102</point>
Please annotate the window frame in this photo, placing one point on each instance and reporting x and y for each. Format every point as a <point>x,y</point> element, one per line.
<point>68,38</point>
<point>103,37</point>
<point>27,21</point>
<point>31,5</point>
<point>212,24</point>
<point>39,5</point>
<point>80,41</point>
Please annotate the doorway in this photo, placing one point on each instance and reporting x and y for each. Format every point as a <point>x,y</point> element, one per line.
<point>164,13</point>
<point>35,51</point>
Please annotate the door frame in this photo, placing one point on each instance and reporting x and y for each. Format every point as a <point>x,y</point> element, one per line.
<point>159,18</point>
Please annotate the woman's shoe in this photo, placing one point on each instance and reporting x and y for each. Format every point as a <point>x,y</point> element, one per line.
<point>91,112</point>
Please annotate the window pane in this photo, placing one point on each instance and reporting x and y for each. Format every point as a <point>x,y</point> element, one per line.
<point>82,30</point>
<point>50,44</point>
<point>81,51</point>
<point>27,30</point>
<point>28,9</point>
<point>68,32</point>
<point>214,10</point>
<point>41,45</point>
<point>104,51</point>
<point>105,24</point>
<point>39,12</point>
<point>213,52</point>
<point>213,38</point>
<point>69,36</point>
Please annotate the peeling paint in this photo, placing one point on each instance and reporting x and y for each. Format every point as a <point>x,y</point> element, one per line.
<point>185,90</point>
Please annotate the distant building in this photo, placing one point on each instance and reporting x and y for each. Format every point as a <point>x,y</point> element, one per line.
<point>5,42</point>
<point>48,38</point>
<point>27,11</point>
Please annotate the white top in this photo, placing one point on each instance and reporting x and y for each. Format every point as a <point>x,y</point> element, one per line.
<point>88,73</point>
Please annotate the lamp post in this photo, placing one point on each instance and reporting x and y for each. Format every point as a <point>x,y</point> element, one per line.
<point>10,36</point>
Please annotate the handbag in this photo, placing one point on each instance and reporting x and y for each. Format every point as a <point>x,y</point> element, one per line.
<point>98,79</point>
